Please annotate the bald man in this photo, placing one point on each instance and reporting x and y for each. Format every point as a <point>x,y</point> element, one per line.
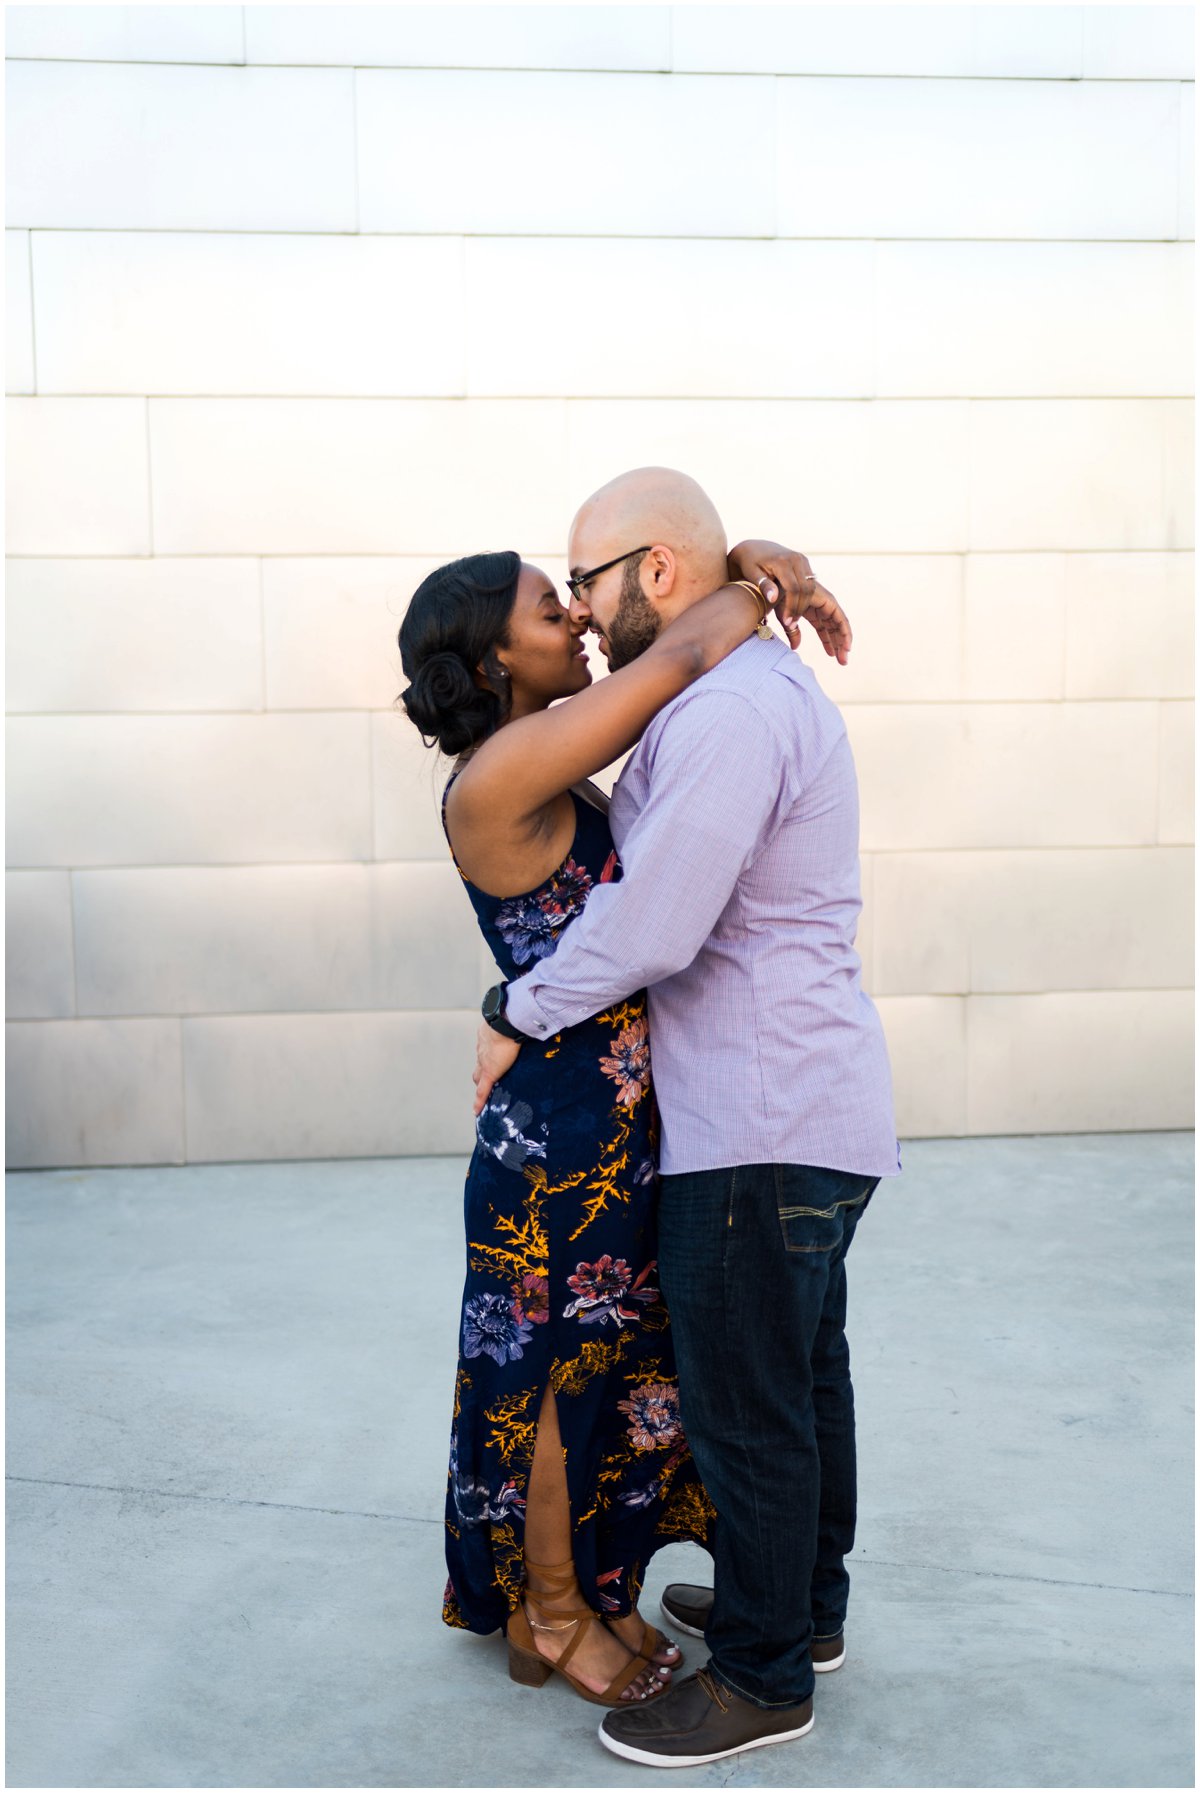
<point>736,822</point>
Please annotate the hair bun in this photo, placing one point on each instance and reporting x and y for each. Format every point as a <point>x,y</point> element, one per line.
<point>456,618</point>
<point>443,682</point>
<point>444,701</point>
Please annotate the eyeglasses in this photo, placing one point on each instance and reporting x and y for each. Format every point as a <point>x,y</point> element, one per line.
<point>575,586</point>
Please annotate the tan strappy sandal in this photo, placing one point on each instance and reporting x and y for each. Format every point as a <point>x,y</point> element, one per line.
<point>528,1667</point>
<point>654,1640</point>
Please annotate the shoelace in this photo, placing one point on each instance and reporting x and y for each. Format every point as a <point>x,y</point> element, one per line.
<point>711,1688</point>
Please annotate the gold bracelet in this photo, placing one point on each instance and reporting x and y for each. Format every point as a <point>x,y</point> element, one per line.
<point>767,607</point>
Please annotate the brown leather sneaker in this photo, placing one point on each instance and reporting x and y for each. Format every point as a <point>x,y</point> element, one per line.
<point>699,1720</point>
<point>687,1608</point>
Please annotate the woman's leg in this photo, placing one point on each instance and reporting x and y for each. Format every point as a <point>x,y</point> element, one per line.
<point>600,1656</point>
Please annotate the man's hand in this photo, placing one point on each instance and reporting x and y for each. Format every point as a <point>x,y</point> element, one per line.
<point>786,578</point>
<point>495,1054</point>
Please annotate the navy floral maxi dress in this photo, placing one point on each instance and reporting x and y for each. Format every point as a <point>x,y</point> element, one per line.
<point>562,1289</point>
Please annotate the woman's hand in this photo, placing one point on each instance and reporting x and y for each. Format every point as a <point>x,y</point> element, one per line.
<point>787,579</point>
<point>495,1054</point>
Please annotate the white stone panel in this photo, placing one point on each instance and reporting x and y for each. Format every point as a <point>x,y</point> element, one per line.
<point>125,33</point>
<point>1100,1061</point>
<point>1139,43</point>
<point>175,312</point>
<point>926,1038</point>
<point>867,158</point>
<point>1060,775</point>
<point>329,1086</point>
<point>1081,473</point>
<point>906,614</point>
<point>765,320</point>
<point>408,780</point>
<point>93,1092</point>
<point>522,37</point>
<point>1004,775</point>
<point>1029,320</point>
<point>566,154</point>
<point>1082,920</point>
<point>187,790</point>
<point>39,954</point>
<point>1177,774</point>
<point>129,147</point>
<point>133,635</point>
<point>424,939</point>
<point>221,939</point>
<point>913,771</point>
<point>1014,626</point>
<point>331,627</point>
<point>1027,922</point>
<point>1130,625</point>
<point>273,939</point>
<point>76,479</point>
<point>922,931</point>
<point>357,476</point>
<point>18,312</point>
<point>828,477</point>
<point>1037,41</point>
<point>878,40</point>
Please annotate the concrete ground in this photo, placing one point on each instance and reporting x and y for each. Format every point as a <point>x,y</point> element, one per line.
<point>229,1394</point>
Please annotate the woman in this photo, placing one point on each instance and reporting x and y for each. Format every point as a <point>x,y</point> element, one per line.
<point>568,1465</point>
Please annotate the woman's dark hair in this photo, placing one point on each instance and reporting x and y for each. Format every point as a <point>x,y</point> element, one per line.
<point>456,620</point>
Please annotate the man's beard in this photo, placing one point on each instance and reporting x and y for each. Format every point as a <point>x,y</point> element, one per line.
<point>637,622</point>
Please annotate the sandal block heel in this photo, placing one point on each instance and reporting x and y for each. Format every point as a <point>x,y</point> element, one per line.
<point>527,1665</point>
<point>527,1668</point>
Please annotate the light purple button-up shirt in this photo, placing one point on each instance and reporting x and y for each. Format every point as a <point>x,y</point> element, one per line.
<point>736,820</point>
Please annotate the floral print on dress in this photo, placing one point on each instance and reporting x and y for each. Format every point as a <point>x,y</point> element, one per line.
<point>530,925</point>
<point>629,1063</point>
<point>498,1129</point>
<point>531,1293</point>
<point>494,1326</point>
<point>653,1411</point>
<point>606,1581</point>
<point>473,1501</point>
<point>607,1291</point>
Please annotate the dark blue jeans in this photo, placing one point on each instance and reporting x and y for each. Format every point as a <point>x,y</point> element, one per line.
<point>753,1267</point>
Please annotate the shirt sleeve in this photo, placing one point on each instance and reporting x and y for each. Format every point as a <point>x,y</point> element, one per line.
<point>716,779</point>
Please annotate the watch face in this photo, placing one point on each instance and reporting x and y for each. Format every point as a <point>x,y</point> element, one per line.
<point>493,1002</point>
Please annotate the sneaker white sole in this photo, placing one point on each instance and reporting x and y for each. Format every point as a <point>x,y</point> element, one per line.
<point>677,1624</point>
<point>653,1759</point>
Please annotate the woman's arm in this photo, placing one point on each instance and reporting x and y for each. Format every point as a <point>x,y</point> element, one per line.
<point>534,759</point>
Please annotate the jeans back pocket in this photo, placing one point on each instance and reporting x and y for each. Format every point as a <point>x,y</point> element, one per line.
<point>815,1204</point>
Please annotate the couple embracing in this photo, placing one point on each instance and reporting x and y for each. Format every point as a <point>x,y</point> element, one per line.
<point>652,1345</point>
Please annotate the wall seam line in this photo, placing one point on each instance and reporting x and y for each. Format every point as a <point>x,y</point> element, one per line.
<point>691,74</point>
<point>470,1012</point>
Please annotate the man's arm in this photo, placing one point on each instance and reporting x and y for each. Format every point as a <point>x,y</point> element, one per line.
<point>715,788</point>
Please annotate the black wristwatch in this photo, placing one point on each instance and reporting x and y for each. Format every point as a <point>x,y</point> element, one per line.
<point>493,1008</point>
